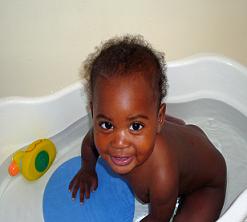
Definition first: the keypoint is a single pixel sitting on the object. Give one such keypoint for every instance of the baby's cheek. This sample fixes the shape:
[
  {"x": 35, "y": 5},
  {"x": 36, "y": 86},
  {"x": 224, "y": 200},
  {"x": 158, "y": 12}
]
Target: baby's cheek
[
  {"x": 143, "y": 151},
  {"x": 100, "y": 142}
]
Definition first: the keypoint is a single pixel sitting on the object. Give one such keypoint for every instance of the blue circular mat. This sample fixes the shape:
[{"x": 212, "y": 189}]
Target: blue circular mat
[{"x": 112, "y": 201}]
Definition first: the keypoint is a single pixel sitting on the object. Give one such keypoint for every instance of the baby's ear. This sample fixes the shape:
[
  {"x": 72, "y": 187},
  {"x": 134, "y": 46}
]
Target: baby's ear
[{"x": 161, "y": 116}]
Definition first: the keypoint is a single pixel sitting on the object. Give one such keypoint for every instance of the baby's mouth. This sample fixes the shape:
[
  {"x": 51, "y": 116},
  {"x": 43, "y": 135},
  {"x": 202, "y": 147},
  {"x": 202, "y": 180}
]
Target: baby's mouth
[{"x": 121, "y": 161}]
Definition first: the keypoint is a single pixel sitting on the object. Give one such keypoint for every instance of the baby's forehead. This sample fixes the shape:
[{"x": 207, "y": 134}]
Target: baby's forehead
[
  {"x": 138, "y": 82},
  {"x": 143, "y": 78},
  {"x": 135, "y": 89}
]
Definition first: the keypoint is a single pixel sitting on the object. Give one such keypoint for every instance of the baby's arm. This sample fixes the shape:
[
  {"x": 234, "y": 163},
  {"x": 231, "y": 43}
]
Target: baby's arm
[
  {"x": 161, "y": 209},
  {"x": 163, "y": 198},
  {"x": 86, "y": 178}
]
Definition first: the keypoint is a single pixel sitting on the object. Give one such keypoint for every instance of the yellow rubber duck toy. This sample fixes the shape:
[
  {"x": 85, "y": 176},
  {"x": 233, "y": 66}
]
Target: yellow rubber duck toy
[{"x": 33, "y": 161}]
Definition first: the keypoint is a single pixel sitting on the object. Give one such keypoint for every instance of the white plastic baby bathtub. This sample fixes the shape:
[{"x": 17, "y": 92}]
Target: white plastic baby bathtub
[{"x": 209, "y": 91}]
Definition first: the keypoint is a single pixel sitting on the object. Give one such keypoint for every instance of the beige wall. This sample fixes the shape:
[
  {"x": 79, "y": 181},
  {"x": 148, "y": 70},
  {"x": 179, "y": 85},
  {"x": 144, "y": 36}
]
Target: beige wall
[{"x": 42, "y": 43}]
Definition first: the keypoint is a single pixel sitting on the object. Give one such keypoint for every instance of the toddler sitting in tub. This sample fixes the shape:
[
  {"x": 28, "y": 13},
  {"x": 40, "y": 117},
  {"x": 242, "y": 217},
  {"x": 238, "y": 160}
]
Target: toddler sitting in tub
[{"x": 161, "y": 157}]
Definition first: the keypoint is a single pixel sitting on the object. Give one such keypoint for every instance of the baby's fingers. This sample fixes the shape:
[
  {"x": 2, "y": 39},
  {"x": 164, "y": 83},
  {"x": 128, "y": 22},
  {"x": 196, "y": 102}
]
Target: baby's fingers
[
  {"x": 75, "y": 189},
  {"x": 94, "y": 185},
  {"x": 87, "y": 191},
  {"x": 71, "y": 184},
  {"x": 82, "y": 192}
]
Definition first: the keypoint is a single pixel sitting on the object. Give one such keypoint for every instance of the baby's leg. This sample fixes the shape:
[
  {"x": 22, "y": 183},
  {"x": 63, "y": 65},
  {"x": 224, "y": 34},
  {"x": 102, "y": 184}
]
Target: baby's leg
[
  {"x": 174, "y": 120},
  {"x": 203, "y": 205}
]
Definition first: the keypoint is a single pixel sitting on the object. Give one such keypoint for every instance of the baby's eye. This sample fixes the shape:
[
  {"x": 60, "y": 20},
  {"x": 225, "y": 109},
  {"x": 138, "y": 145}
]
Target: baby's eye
[
  {"x": 136, "y": 126},
  {"x": 106, "y": 125}
]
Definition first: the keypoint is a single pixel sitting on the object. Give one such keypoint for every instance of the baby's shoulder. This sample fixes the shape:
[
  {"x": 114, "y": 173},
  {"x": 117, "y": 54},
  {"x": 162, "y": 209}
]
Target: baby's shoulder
[
  {"x": 165, "y": 162},
  {"x": 183, "y": 135}
]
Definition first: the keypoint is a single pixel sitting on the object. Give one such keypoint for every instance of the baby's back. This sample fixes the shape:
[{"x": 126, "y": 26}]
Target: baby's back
[{"x": 199, "y": 162}]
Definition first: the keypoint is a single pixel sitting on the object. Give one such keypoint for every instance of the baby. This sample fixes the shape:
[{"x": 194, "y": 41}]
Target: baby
[{"x": 160, "y": 156}]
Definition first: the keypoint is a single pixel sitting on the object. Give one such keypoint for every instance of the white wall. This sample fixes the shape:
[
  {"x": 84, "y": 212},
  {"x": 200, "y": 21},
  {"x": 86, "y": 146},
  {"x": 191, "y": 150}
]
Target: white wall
[{"x": 42, "y": 43}]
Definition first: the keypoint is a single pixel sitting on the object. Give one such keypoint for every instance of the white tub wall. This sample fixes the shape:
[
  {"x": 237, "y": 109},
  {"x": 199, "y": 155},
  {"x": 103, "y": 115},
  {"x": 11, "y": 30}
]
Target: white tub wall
[{"x": 43, "y": 42}]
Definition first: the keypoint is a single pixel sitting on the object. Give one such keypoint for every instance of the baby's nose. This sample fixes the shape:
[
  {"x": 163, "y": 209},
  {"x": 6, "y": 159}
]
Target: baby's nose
[{"x": 120, "y": 139}]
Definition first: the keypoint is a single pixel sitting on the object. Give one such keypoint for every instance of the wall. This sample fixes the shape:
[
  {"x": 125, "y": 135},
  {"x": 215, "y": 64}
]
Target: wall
[{"x": 43, "y": 42}]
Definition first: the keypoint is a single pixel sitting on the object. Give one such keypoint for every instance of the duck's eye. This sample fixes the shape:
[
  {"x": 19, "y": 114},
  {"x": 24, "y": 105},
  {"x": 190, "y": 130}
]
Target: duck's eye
[
  {"x": 106, "y": 125},
  {"x": 136, "y": 126}
]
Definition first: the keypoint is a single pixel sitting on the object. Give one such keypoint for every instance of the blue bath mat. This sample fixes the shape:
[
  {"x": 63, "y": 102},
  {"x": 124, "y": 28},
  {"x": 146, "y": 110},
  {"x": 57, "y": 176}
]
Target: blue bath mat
[{"x": 112, "y": 201}]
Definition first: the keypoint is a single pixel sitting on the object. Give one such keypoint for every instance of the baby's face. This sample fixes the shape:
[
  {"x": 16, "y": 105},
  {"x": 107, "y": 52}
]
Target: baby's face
[{"x": 125, "y": 121}]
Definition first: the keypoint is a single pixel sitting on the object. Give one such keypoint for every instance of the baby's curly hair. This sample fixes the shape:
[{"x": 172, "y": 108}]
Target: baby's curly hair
[{"x": 122, "y": 56}]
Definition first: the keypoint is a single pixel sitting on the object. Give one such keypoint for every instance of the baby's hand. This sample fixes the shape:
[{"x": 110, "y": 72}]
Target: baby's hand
[{"x": 86, "y": 180}]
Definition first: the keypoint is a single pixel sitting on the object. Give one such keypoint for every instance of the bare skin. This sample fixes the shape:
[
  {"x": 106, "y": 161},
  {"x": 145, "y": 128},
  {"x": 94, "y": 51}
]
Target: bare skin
[{"x": 135, "y": 137}]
